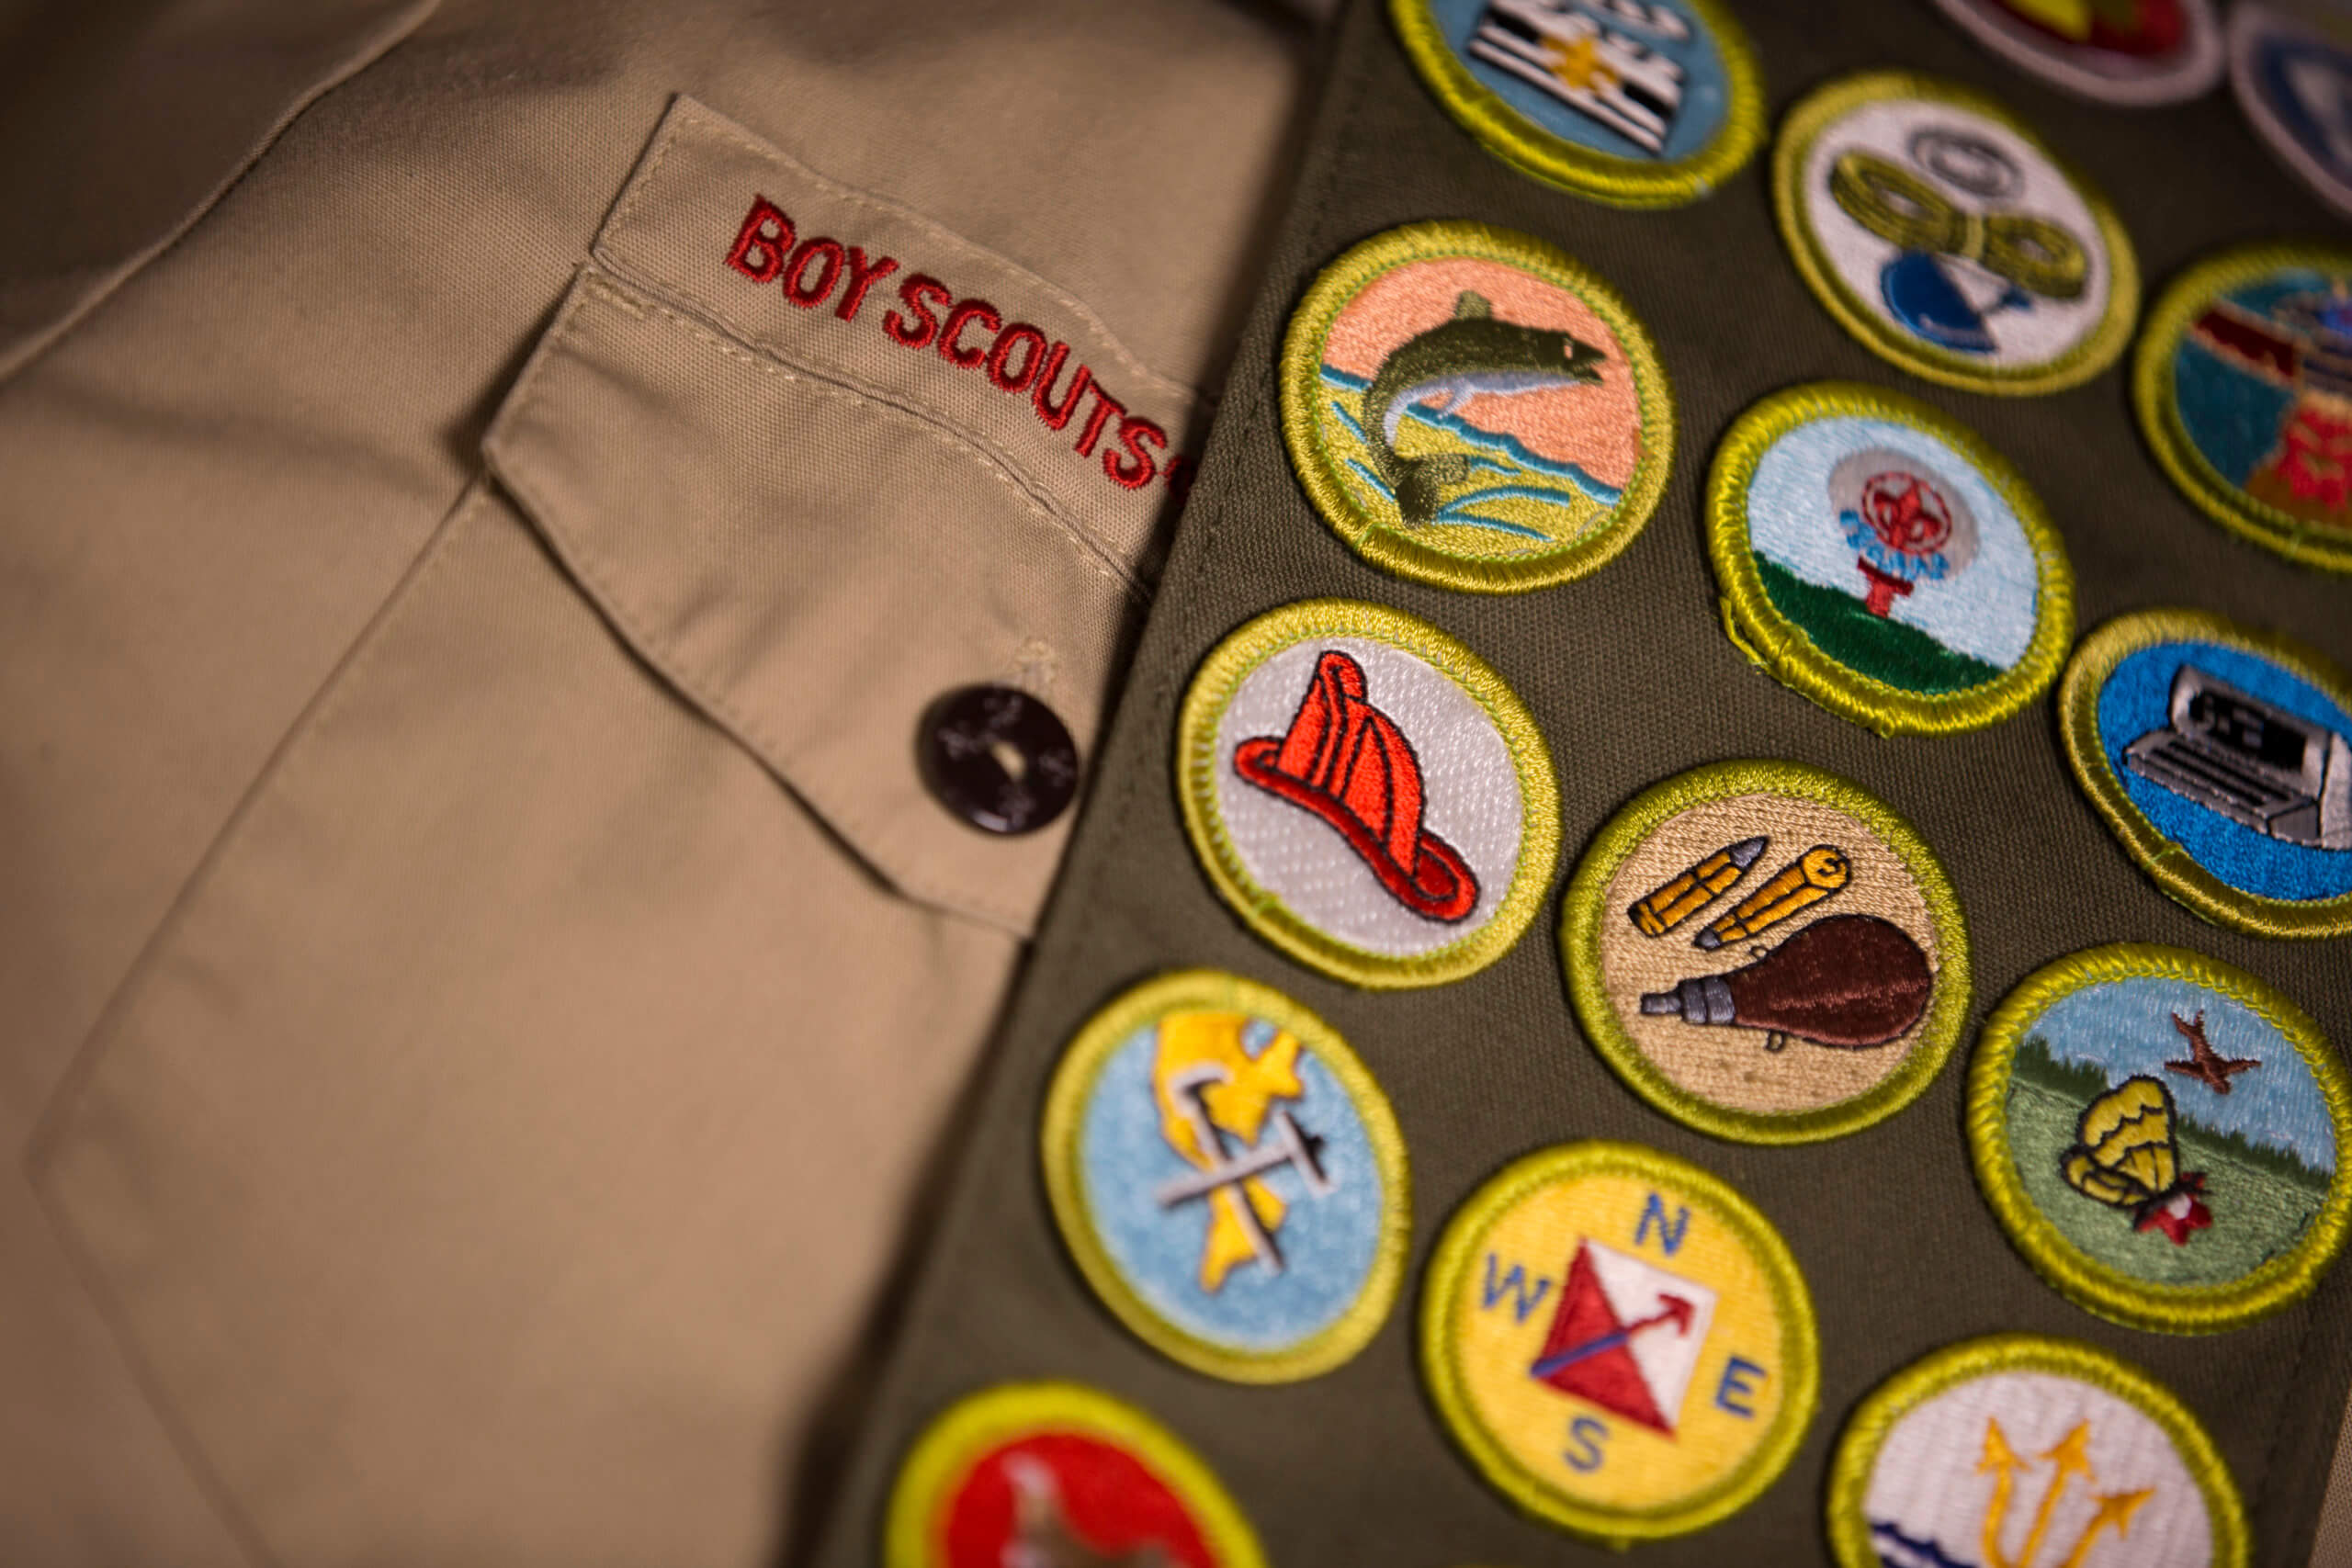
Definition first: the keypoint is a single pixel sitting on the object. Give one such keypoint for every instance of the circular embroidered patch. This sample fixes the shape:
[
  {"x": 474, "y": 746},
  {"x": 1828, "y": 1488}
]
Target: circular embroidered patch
[
  {"x": 2293, "y": 81},
  {"x": 2132, "y": 52},
  {"x": 1367, "y": 794},
  {"x": 2222, "y": 759},
  {"x": 2243, "y": 385},
  {"x": 1229, "y": 1177},
  {"x": 1764, "y": 952},
  {"x": 2158, "y": 1132},
  {"x": 1883, "y": 561},
  {"x": 1619, "y": 1341},
  {"x": 1052, "y": 1472},
  {"x": 2018, "y": 1450},
  {"x": 1471, "y": 408},
  {"x": 1637, "y": 103},
  {"x": 1939, "y": 231}
]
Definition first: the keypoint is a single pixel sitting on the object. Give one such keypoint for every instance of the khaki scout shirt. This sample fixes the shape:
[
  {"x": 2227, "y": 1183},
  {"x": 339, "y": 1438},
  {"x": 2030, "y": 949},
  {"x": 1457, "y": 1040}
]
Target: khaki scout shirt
[{"x": 482, "y": 980}]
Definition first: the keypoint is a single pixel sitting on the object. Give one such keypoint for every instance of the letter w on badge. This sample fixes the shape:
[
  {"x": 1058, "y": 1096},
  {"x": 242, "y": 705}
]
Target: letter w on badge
[{"x": 1208, "y": 1085}]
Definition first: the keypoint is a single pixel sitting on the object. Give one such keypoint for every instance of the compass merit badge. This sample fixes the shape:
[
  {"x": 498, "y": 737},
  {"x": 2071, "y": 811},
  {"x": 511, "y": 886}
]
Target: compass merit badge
[
  {"x": 1764, "y": 952},
  {"x": 2222, "y": 759},
  {"x": 2293, "y": 80},
  {"x": 1940, "y": 232},
  {"x": 1229, "y": 1177},
  {"x": 1471, "y": 408},
  {"x": 2158, "y": 1132},
  {"x": 1619, "y": 1341},
  {"x": 1059, "y": 1475},
  {"x": 2244, "y": 386},
  {"x": 1883, "y": 561},
  {"x": 2018, "y": 1451},
  {"x": 2130, "y": 52},
  {"x": 1638, "y": 103},
  {"x": 1366, "y": 794}
]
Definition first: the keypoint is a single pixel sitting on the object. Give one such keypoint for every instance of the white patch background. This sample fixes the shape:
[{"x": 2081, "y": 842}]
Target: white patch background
[
  {"x": 1926, "y": 1482},
  {"x": 1469, "y": 783},
  {"x": 2029, "y": 337}
]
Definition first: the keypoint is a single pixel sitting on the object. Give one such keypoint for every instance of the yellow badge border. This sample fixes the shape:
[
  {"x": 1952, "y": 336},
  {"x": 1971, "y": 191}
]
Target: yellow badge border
[
  {"x": 1637, "y": 183},
  {"x": 979, "y": 1423},
  {"x": 2170, "y": 867},
  {"x": 1064, "y": 1122},
  {"x": 1788, "y": 654},
  {"x": 1586, "y": 907},
  {"x": 1876, "y": 1416},
  {"x": 2088, "y": 1283},
  {"x": 1262, "y": 910},
  {"x": 1302, "y": 417},
  {"x": 2155, "y": 399},
  {"x": 1826, "y": 105},
  {"x": 1449, "y": 1268}
]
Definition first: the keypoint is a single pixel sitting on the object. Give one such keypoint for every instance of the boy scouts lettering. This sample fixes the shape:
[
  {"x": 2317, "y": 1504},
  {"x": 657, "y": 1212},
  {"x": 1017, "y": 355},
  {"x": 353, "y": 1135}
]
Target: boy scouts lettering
[{"x": 970, "y": 333}]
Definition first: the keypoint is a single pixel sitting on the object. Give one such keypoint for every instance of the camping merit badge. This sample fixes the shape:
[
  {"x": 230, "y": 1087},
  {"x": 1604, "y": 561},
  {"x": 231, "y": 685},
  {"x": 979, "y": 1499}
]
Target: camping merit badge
[
  {"x": 2159, "y": 1132},
  {"x": 1883, "y": 561},
  {"x": 2293, "y": 79},
  {"x": 1939, "y": 231},
  {"x": 2132, "y": 52},
  {"x": 2018, "y": 1451},
  {"x": 2243, "y": 385},
  {"x": 1766, "y": 952},
  {"x": 2222, "y": 759},
  {"x": 1229, "y": 1177},
  {"x": 1639, "y": 103},
  {"x": 1039, "y": 1475},
  {"x": 1366, "y": 794},
  {"x": 1469, "y": 406},
  {"x": 1619, "y": 1341}
]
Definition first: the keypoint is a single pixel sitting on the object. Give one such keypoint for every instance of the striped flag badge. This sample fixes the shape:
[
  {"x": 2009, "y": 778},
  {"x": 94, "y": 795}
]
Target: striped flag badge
[{"x": 1626, "y": 1337}]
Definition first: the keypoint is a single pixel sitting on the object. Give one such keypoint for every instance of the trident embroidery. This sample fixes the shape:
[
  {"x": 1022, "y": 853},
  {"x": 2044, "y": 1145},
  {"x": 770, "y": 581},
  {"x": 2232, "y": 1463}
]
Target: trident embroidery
[{"x": 2068, "y": 1460}]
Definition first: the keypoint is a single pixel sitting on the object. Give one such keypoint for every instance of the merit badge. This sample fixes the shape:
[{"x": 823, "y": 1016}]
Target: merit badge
[
  {"x": 2018, "y": 1451},
  {"x": 1229, "y": 1177},
  {"x": 2158, "y": 1132},
  {"x": 2222, "y": 759},
  {"x": 2132, "y": 52},
  {"x": 1469, "y": 406},
  {"x": 2294, "y": 83},
  {"x": 1367, "y": 794},
  {"x": 1762, "y": 951},
  {"x": 1026, "y": 1476},
  {"x": 1885, "y": 562},
  {"x": 1637, "y": 103},
  {"x": 1940, "y": 231},
  {"x": 2243, "y": 385},
  {"x": 1619, "y": 1341}
]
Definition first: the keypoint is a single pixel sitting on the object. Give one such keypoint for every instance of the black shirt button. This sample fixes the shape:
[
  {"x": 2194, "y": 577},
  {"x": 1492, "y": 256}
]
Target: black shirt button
[{"x": 997, "y": 758}]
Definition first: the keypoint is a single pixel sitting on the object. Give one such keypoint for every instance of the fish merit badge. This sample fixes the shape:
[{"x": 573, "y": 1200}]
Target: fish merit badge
[
  {"x": 1366, "y": 794},
  {"x": 1638, "y": 103},
  {"x": 1940, "y": 231},
  {"x": 2292, "y": 77},
  {"x": 1469, "y": 406},
  {"x": 2243, "y": 385},
  {"x": 1766, "y": 952},
  {"x": 2131, "y": 52},
  {"x": 2018, "y": 1451},
  {"x": 1619, "y": 1341},
  {"x": 2158, "y": 1132},
  {"x": 1229, "y": 1177},
  {"x": 1885, "y": 562},
  {"x": 1059, "y": 1475},
  {"x": 2221, "y": 758}
]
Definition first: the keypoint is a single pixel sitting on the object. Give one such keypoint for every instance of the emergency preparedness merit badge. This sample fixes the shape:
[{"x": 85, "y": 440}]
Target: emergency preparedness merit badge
[
  {"x": 1619, "y": 1341},
  {"x": 1936, "y": 227},
  {"x": 1468, "y": 406},
  {"x": 1366, "y": 794},
  {"x": 1026, "y": 1474},
  {"x": 2161, "y": 1135},
  {"x": 1638, "y": 103},
  {"x": 1229, "y": 1177}
]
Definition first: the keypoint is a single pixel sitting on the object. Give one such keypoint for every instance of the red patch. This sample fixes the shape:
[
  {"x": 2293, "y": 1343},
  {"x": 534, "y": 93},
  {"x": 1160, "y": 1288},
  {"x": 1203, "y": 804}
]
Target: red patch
[{"x": 1058, "y": 1490}]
